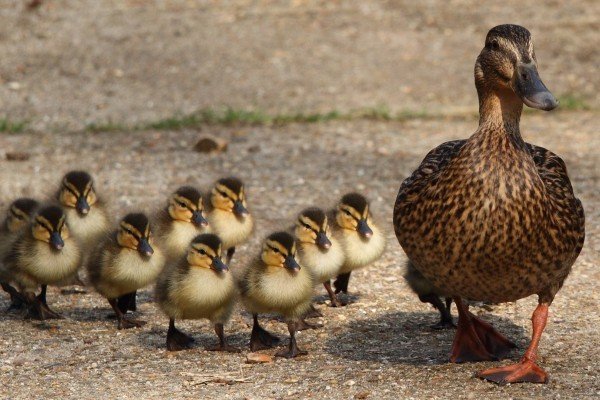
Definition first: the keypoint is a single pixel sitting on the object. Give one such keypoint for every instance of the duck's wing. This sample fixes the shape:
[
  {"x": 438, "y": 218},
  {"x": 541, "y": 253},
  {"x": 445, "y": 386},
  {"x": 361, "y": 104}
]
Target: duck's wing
[
  {"x": 569, "y": 210},
  {"x": 435, "y": 160}
]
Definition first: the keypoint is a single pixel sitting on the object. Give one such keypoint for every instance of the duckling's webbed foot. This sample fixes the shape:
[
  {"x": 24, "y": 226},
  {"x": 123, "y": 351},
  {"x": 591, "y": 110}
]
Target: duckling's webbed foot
[
  {"x": 261, "y": 339},
  {"x": 222, "y": 346},
  {"x": 335, "y": 301},
  {"x": 17, "y": 300},
  {"x": 177, "y": 340},
  {"x": 313, "y": 313},
  {"x": 341, "y": 283},
  {"x": 476, "y": 340},
  {"x": 293, "y": 350},
  {"x": 124, "y": 323},
  {"x": 303, "y": 325},
  {"x": 446, "y": 321},
  {"x": 39, "y": 310}
]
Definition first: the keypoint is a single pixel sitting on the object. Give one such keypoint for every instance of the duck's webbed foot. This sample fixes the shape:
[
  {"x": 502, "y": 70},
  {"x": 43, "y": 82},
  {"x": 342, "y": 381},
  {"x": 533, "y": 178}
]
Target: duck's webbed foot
[
  {"x": 334, "y": 299},
  {"x": 293, "y": 350},
  {"x": 303, "y": 325},
  {"x": 17, "y": 300},
  {"x": 476, "y": 340},
  {"x": 222, "y": 345},
  {"x": 261, "y": 339},
  {"x": 123, "y": 322},
  {"x": 313, "y": 313},
  {"x": 446, "y": 321},
  {"x": 177, "y": 340},
  {"x": 38, "y": 309}
]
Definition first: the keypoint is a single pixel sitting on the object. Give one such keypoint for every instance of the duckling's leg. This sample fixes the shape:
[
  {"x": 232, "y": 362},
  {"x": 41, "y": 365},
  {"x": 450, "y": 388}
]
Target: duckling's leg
[
  {"x": 124, "y": 323},
  {"x": 260, "y": 338},
  {"x": 222, "y": 346},
  {"x": 17, "y": 301},
  {"x": 446, "y": 321},
  {"x": 475, "y": 339},
  {"x": 42, "y": 296},
  {"x": 177, "y": 340},
  {"x": 341, "y": 283},
  {"x": 37, "y": 309},
  {"x": 127, "y": 302},
  {"x": 335, "y": 302},
  {"x": 230, "y": 252},
  {"x": 293, "y": 349},
  {"x": 526, "y": 370}
]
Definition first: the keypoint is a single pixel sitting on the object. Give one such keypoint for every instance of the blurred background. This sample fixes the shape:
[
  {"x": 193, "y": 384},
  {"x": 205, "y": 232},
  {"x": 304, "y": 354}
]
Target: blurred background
[{"x": 68, "y": 64}]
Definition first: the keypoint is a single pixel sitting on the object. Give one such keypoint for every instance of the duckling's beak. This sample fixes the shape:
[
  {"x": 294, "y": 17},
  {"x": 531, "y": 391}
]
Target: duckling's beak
[
  {"x": 199, "y": 220},
  {"x": 82, "y": 206},
  {"x": 291, "y": 264},
  {"x": 363, "y": 229},
  {"x": 144, "y": 248},
  {"x": 529, "y": 87},
  {"x": 239, "y": 209},
  {"x": 218, "y": 265},
  {"x": 56, "y": 241},
  {"x": 323, "y": 241}
]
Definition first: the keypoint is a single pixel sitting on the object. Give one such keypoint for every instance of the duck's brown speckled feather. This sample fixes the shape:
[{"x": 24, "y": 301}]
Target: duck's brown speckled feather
[{"x": 491, "y": 218}]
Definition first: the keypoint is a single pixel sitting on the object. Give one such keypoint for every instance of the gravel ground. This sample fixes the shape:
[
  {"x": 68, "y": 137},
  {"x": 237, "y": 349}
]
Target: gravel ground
[
  {"x": 378, "y": 347},
  {"x": 140, "y": 60}
]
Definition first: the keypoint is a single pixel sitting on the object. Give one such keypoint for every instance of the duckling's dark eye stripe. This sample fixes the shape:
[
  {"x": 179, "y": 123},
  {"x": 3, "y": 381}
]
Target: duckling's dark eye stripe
[
  {"x": 71, "y": 191},
  {"x": 276, "y": 250}
]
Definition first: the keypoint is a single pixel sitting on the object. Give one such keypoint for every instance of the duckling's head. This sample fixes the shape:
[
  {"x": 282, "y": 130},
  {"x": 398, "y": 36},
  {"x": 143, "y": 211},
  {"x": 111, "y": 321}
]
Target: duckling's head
[
  {"x": 312, "y": 227},
  {"x": 205, "y": 252},
  {"x": 186, "y": 205},
  {"x": 507, "y": 64},
  {"x": 228, "y": 194},
  {"x": 20, "y": 213},
  {"x": 279, "y": 250},
  {"x": 352, "y": 213},
  {"x": 134, "y": 233},
  {"x": 77, "y": 191},
  {"x": 49, "y": 226}
]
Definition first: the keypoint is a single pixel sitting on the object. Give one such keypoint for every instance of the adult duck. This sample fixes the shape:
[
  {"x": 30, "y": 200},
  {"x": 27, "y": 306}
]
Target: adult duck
[{"x": 493, "y": 218}]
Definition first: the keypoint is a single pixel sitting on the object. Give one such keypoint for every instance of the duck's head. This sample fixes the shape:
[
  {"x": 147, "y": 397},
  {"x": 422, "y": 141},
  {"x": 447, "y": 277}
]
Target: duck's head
[
  {"x": 229, "y": 195},
  {"x": 134, "y": 233},
  {"x": 507, "y": 64},
  {"x": 312, "y": 227},
  {"x": 205, "y": 252},
  {"x": 186, "y": 205},
  {"x": 352, "y": 213},
  {"x": 279, "y": 250},
  {"x": 19, "y": 214},
  {"x": 49, "y": 226},
  {"x": 77, "y": 191}
]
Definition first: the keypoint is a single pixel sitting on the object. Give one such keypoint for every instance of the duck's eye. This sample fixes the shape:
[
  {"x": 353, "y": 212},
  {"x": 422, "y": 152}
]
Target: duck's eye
[
  {"x": 202, "y": 251},
  {"x": 347, "y": 213},
  {"x": 306, "y": 226},
  {"x": 180, "y": 204},
  {"x": 223, "y": 194},
  {"x": 494, "y": 45}
]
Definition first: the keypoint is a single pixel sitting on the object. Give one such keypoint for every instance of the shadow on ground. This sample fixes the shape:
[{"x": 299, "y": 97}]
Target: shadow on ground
[{"x": 407, "y": 338}]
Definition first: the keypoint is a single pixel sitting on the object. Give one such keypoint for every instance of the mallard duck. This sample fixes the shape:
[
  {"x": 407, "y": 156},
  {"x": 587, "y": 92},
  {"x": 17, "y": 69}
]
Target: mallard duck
[
  {"x": 45, "y": 254},
  {"x": 361, "y": 240},
  {"x": 86, "y": 212},
  {"x": 275, "y": 283},
  {"x": 181, "y": 221},
  {"x": 228, "y": 214},
  {"x": 318, "y": 249},
  {"x": 493, "y": 218},
  {"x": 198, "y": 286},
  {"x": 18, "y": 217},
  {"x": 429, "y": 294},
  {"x": 125, "y": 262}
]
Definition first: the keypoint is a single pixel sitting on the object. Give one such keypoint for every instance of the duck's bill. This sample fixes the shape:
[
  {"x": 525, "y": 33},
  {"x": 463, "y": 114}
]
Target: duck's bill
[
  {"x": 56, "y": 241},
  {"x": 82, "y": 206},
  {"x": 239, "y": 209},
  {"x": 199, "y": 220},
  {"x": 218, "y": 265},
  {"x": 144, "y": 248},
  {"x": 529, "y": 87},
  {"x": 291, "y": 264},
  {"x": 323, "y": 241},
  {"x": 364, "y": 229}
]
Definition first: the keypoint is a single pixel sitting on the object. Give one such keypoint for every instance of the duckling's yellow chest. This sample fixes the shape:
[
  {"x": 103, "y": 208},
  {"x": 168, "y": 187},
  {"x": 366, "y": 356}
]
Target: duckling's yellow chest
[
  {"x": 231, "y": 229},
  {"x": 282, "y": 291},
  {"x": 178, "y": 238},
  {"x": 323, "y": 264},
  {"x": 48, "y": 266},
  {"x": 87, "y": 229},
  {"x": 204, "y": 292},
  {"x": 360, "y": 252}
]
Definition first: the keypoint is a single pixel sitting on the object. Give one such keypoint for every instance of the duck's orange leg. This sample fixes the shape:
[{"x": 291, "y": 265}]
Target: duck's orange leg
[
  {"x": 475, "y": 339},
  {"x": 526, "y": 370}
]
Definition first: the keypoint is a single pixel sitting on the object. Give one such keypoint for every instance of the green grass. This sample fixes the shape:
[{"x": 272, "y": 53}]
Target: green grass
[
  {"x": 573, "y": 102},
  {"x": 10, "y": 126}
]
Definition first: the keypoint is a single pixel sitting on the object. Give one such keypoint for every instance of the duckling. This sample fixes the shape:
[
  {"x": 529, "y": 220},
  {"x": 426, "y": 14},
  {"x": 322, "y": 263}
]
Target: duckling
[
  {"x": 493, "y": 218},
  {"x": 228, "y": 216},
  {"x": 18, "y": 217},
  {"x": 198, "y": 286},
  {"x": 318, "y": 249},
  {"x": 86, "y": 213},
  {"x": 181, "y": 221},
  {"x": 429, "y": 294},
  {"x": 45, "y": 254},
  {"x": 361, "y": 240},
  {"x": 125, "y": 262},
  {"x": 275, "y": 282}
]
